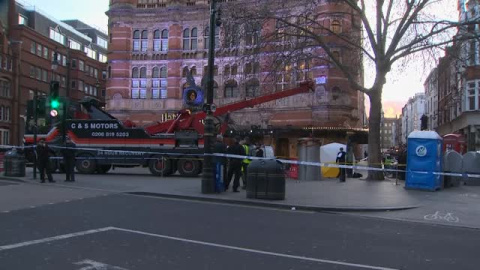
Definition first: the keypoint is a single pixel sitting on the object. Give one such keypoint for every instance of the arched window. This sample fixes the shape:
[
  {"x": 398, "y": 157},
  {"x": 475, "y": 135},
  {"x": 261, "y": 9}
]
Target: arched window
[
  {"x": 337, "y": 55},
  {"x": 256, "y": 68},
  {"x": 156, "y": 72},
  {"x": 185, "y": 72},
  {"x": 234, "y": 70},
  {"x": 226, "y": 71},
  {"x": 206, "y": 37},
  {"x": 248, "y": 68},
  {"x": 252, "y": 34},
  {"x": 252, "y": 88},
  {"x": 193, "y": 70},
  {"x": 159, "y": 84},
  {"x": 336, "y": 27},
  {"x": 136, "y": 40},
  {"x": 156, "y": 41},
  {"x": 164, "y": 46},
  {"x": 135, "y": 73},
  {"x": 194, "y": 40},
  {"x": 231, "y": 89},
  {"x": 143, "y": 72},
  {"x": 144, "y": 40},
  {"x": 186, "y": 39}
]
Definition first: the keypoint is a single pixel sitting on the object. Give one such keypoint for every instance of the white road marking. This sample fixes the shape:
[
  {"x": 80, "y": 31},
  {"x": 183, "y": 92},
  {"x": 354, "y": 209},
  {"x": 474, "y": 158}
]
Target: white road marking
[
  {"x": 54, "y": 238},
  {"x": 303, "y": 258},
  {"x": 93, "y": 265}
]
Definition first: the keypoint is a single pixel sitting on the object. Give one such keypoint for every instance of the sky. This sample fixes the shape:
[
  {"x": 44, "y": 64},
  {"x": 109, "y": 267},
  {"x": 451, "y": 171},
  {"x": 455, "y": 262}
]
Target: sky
[{"x": 401, "y": 83}]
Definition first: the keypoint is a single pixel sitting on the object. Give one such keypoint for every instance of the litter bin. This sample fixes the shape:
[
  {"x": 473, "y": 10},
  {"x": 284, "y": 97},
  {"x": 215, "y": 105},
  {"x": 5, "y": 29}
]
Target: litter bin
[
  {"x": 266, "y": 180},
  {"x": 14, "y": 164},
  {"x": 452, "y": 164}
]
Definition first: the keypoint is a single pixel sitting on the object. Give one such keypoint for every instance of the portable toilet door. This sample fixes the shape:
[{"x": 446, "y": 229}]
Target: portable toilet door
[{"x": 424, "y": 157}]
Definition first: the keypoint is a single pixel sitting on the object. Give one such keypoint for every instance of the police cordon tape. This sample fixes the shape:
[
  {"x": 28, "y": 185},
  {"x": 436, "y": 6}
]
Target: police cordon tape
[{"x": 286, "y": 161}]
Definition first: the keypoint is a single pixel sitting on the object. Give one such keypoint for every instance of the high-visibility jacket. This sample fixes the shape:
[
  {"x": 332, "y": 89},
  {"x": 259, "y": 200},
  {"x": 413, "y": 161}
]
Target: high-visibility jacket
[{"x": 247, "y": 153}]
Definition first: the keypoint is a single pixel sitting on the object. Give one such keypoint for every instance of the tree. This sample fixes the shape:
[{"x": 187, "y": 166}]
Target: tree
[{"x": 382, "y": 33}]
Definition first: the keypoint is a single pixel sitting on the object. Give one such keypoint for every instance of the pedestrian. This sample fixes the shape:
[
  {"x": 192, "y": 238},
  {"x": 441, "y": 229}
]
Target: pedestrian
[
  {"x": 43, "y": 161},
  {"x": 234, "y": 165},
  {"x": 365, "y": 154},
  {"x": 246, "y": 161},
  {"x": 341, "y": 157},
  {"x": 69, "y": 160},
  {"x": 259, "y": 150},
  {"x": 220, "y": 163}
]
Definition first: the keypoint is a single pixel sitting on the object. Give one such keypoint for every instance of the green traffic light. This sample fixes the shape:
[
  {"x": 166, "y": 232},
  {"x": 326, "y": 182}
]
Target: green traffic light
[{"x": 54, "y": 104}]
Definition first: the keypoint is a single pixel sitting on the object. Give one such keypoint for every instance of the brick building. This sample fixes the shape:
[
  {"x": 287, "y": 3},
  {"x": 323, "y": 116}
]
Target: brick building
[
  {"x": 153, "y": 44},
  {"x": 81, "y": 60},
  {"x": 8, "y": 103}
]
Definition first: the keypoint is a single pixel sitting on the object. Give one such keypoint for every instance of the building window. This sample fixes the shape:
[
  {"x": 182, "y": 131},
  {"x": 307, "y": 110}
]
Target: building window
[
  {"x": 80, "y": 85},
  {"x": 144, "y": 40},
  {"x": 39, "y": 50},
  {"x": 44, "y": 75},
  {"x": 284, "y": 77},
  {"x": 91, "y": 53},
  {"x": 156, "y": 41},
  {"x": 186, "y": 39},
  {"x": 252, "y": 34},
  {"x": 194, "y": 39},
  {"x": 231, "y": 89},
  {"x": 110, "y": 72},
  {"x": 143, "y": 72},
  {"x": 7, "y": 114},
  {"x": 206, "y": 37},
  {"x": 102, "y": 42},
  {"x": 33, "y": 47},
  {"x": 336, "y": 27},
  {"x": 303, "y": 70},
  {"x": 22, "y": 20},
  {"x": 164, "y": 47},
  {"x": 55, "y": 35},
  {"x": 102, "y": 57},
  {"x": 74, "y": 45},
  {"x": 81, "y": 65},
  {"x": 5, "y": 136},
  {"x": 74, "y": 63},
  {"x": 234, "y": 70},
  {"x": 252, "y": 88},
  {"x": 159, "y": 83},
  {"x": 185, "y": 72},
  {"x": 45, "y": 52},
  {"x": 473, "y": 95},
  {"x": 4, "y": 88},
  {"x": 136, "y": 40}
]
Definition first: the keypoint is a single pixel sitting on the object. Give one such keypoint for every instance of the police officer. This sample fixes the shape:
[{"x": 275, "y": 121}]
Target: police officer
[
  {"x": 341, "y": 157},
  {"x": 248, "y": 148},
  {"x": 43, "y": 161},
  {"x": 234, "y": 165},
  {"x": 69, "y": 160}
]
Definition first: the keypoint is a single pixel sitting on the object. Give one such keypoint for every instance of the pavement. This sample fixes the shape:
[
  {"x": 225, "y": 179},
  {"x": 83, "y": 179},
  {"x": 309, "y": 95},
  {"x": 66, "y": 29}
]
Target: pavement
[{"x": 459, "y": 206}]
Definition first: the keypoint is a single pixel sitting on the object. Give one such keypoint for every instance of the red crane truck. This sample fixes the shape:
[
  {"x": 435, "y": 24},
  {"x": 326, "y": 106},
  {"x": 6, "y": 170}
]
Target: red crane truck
[{"x": 103, "y": 141}]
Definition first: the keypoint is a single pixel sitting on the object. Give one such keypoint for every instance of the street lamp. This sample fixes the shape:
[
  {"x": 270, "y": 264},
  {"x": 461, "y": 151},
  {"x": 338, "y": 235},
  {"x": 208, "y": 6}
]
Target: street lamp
[{"x": 208, "y": 176}]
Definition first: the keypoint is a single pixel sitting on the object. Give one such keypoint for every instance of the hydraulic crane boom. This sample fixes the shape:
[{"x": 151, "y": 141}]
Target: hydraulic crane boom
[{"x": 187, "y": 120}]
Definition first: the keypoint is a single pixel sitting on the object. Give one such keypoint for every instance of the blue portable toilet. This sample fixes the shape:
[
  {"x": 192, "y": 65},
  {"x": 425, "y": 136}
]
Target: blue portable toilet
[{"x": 424, "y": 156}]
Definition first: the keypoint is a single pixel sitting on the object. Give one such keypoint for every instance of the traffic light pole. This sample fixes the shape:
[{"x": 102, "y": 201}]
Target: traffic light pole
[
  {"x": 35, "y": 131},
  {"x": 208, "y": 175}
]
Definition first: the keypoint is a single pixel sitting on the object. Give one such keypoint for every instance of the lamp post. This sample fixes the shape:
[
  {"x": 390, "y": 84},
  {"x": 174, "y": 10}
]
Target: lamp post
[{"x": 208, "y": 175}]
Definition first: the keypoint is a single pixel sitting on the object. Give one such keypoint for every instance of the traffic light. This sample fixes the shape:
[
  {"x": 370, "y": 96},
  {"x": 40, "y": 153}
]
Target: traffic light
[{"x": 54, "y": 99}]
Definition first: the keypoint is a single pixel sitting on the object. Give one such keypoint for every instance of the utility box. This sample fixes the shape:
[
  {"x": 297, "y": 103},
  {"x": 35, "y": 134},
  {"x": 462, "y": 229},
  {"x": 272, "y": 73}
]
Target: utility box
[{"x": 424, "y": 161}]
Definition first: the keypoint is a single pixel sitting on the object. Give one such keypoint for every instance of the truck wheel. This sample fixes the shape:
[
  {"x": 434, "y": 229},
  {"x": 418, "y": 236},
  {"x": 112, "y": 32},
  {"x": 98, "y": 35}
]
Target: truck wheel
[
  {"x": 159, "y": 166},
  {"x": 85, "y": 164},
  {"x": 102, "y": 169},
  {"x": 189, "y": 167}
]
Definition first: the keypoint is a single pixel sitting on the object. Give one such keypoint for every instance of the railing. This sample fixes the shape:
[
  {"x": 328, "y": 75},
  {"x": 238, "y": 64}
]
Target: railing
[{"x": 143, "y": 104}]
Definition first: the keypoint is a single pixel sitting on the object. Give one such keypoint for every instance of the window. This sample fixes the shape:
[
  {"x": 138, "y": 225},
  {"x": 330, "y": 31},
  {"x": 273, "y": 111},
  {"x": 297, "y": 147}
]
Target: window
[
  {"x": 74, "y": 63},
  {"x": 336, "y": 27},
  {"x": 252, "y": 34},
  {"x": 22, "y": 20},
  {"x": 32, "y": 72},
  {"x": 5, "y": 136},
  {"x": 102, "y": 58},
  {"x": 135, "y": 73},
  {"x": 206, "y": 37},
  {"x": 45, "y": 52},
  {"x": 194, "y": 40},
  {"x": 156, "y": 41},
  {"x": 159, "y": 83},
  {"x": 91, "y": 53},
  {"x": 233, "y": 70},
  {"x": 284, "y": 77},
  {"x": 186, "y": 39},
  {"x": 44, "y": 75},
  {"x": 226, "y": 71},
  {"x": 160, "y": 40},
  {"x": 4, "y": 88},
  {"x": 303, "y": 70},
  {"x": 73, "y": 84},
  {"x": 231, "y": 89},
  {"x": 231, "y": 38},
  {"x": 102, "y": 42},
  {"x": 185, "y": 72},
  {"x": 252, "y": 88},
  {"x": 38, "y": 73},
  {"x": 80, "y": 85},
  {"x": 110, "y": 72},
  {"x": 81, "y": 65},
  {"x": 7, "y": 114},
  {"x": 2, "y": 112},
  {"x": 55, "y": 35},
  {"x": 74, "y": 45},
  {"x": 144, "y": 40},
  {"x": 473, "y": 95},
  {"x": 143, "y": 72},
  {"x": 136, "y": 40},
  {"x": 164, "y": 40},
  {"x": 95, "y": 73},
  {"x": 33, "y": 47},
  {"x": 39, "y": 50}
]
